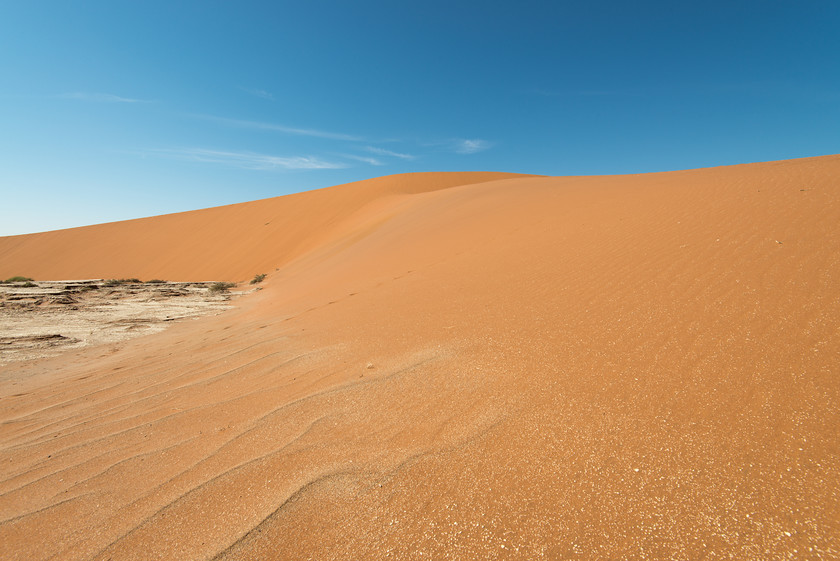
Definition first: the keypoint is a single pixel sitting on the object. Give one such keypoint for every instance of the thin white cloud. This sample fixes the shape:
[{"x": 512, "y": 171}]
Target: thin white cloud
[
  {"x": 280, "y": 128},
  {"x": 365, "y": 159},
  {"x": 383, "y": 152},
  {"x": 259, "y": 93},
  {"x": 471, "y": 146},
  {"x": 245, "y": 160},
  {"x": 100, "y": 97}
]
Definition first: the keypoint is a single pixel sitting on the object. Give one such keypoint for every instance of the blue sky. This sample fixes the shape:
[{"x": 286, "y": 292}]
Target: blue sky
[{"x": 114, "y": 110}]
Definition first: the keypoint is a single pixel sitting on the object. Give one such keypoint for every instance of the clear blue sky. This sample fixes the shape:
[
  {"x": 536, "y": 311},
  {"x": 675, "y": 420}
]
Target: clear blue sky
[{"x": 114, "y": 109}]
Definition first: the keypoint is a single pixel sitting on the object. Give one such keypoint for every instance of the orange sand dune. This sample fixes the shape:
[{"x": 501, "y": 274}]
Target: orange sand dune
[
  {"x": 452, "y": 367},
  {"x": 231, "y": 243}
]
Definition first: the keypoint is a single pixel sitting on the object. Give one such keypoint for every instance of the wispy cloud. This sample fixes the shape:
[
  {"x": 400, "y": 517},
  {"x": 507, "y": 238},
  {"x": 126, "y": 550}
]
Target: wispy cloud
[
  {"x": 258, "y": 125},
  {"x": 471, "y": 146},
  {"x": 100, "y": 97},
  {"x": 365, "y": 159},
  {"x": 245, "y": 160},
  {"x": 383, "y": 152},
  {"x": 259, "y": 93}
]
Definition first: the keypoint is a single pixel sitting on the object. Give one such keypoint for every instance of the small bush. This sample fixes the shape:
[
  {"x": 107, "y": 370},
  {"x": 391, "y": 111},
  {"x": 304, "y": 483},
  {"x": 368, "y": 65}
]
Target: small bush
[
  {"x": 155, "y": 281},
  {"x": 17, "y": 279},
  {"x": 218, "y": 287},
  {"x": 117, "y": 282},
  {"x": 258, "y": 279}
]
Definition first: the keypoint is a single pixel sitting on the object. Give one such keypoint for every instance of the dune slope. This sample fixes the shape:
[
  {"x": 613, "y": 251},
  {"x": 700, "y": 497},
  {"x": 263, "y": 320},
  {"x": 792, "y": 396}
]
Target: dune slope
[
  {"x": 471, "y": 367},
  {"x": 230, "y": 243}
]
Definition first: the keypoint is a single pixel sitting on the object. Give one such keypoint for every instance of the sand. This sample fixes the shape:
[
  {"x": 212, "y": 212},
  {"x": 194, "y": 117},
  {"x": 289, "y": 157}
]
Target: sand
[{"x": 451, "y": 366}]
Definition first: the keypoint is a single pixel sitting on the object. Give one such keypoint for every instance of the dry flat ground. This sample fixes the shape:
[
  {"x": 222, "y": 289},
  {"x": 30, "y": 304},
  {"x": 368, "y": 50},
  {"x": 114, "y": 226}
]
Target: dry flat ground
[
  {"x": 451, "y": 366},
  {"x": 50, "y": 317}
]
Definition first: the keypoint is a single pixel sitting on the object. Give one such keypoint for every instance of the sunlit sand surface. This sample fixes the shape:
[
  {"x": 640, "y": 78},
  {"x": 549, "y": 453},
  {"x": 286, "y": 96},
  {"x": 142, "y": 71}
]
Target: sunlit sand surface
[{"x": 451, "y": 366}]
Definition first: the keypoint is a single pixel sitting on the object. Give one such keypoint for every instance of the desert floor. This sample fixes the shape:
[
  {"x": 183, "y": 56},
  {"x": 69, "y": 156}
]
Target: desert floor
[
  {"x": 450, "y": 366},
  {"x": 48, "y": 318}
]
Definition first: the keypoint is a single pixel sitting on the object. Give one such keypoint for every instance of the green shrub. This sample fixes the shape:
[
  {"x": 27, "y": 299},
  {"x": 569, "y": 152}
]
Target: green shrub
[
  {"x": 17, "y": 279},
  {"x": 155, "y": 281},
  {"x": 217, "y": 287},
  {"x": 258, "y": 279}
]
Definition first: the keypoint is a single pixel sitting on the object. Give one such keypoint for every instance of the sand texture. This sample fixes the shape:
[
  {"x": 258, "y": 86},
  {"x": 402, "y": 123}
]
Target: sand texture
[{"x": 451, "y": 366}]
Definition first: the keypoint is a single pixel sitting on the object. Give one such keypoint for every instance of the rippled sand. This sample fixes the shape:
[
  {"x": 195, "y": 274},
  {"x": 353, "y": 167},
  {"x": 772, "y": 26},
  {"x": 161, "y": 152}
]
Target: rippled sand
[{"x": 451, "y": 366}]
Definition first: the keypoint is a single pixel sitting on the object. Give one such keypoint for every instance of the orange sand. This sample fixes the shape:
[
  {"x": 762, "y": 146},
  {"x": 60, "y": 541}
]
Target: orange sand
[{"x": 451, "y": 366}]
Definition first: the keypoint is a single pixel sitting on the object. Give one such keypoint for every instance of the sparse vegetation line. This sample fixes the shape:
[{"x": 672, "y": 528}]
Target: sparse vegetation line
[{"x": 118, "y": 282}]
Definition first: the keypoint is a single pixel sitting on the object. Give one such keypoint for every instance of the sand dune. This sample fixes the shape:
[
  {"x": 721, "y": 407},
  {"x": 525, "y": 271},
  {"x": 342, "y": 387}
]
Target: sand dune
[
  {"x": 451, "y": 366},
  {"x": 232, "y": 242}
]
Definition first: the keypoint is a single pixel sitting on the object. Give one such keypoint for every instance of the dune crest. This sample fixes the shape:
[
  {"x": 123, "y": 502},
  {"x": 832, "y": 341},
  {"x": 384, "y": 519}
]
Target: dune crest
[
  {"x": 451, "y": 366},
  {"x": 231, "y": 243}
]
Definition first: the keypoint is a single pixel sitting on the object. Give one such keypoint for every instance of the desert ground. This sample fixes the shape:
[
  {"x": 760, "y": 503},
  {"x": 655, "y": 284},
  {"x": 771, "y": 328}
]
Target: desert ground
[
  {"x": 39, "y": 319},
  {"x": 450, "y": 366}
]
